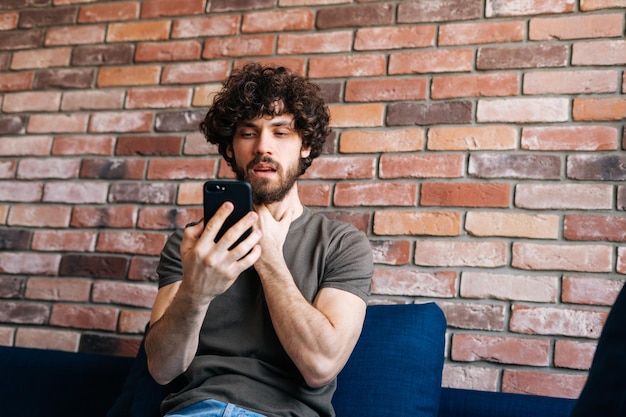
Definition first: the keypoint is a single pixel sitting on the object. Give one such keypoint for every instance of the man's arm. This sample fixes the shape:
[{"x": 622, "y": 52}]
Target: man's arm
[
  {"x": 318, "y": 337},
  {"x": 208, "y": 270}
]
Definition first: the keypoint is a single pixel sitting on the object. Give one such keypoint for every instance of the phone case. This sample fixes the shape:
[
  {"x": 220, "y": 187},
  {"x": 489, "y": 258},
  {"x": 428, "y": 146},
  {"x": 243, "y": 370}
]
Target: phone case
[{"x": 216, "y": 192}]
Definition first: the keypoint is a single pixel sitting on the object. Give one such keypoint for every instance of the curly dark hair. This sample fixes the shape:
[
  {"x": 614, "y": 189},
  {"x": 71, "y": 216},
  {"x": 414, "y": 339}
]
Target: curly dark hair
[{"x": 252, "y": 92}]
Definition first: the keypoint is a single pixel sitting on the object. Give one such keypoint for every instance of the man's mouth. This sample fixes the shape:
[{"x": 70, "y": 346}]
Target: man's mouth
[{"x": 263, "y": 169}]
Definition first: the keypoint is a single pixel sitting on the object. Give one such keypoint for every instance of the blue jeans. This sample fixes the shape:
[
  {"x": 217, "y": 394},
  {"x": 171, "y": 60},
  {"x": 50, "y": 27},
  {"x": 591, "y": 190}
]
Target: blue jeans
[{"x": 213, "y": 408}]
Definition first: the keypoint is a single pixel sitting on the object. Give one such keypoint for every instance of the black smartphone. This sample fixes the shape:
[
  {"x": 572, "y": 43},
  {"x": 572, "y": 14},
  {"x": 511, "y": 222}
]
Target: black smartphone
[{"x": 216, "y": 192}]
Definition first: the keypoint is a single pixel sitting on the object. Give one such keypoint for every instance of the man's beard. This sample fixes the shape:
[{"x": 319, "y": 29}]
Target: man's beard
[{"x": 265, "y": 191}]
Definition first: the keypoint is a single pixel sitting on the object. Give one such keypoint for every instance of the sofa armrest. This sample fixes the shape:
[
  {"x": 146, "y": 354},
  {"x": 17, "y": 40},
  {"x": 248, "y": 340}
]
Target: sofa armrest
[{"x": 470, "y": 403}]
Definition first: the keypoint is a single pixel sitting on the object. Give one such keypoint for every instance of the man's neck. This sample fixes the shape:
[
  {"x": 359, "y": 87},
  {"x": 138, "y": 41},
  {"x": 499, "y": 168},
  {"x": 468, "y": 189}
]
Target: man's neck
[{"x": 291, "y": 200}]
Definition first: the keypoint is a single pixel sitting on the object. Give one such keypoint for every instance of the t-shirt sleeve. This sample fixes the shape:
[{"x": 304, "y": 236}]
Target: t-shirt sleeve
[
  {"x": 169, "y": 269},
  {"x": 350, "y": 264}
]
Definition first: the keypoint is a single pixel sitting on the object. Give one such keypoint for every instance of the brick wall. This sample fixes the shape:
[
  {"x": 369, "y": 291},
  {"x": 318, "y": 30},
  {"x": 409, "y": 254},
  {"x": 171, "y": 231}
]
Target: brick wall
[{"x": 479, "y": 143}]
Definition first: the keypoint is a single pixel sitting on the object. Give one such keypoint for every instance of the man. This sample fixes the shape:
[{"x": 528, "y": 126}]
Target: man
[{"x": 265, "y": 327}]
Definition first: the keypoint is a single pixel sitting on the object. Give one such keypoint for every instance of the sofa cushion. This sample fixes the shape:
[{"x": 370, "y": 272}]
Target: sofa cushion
[
  {"x": 395, "y": 369},
  {"x": 39, "y": 382}
]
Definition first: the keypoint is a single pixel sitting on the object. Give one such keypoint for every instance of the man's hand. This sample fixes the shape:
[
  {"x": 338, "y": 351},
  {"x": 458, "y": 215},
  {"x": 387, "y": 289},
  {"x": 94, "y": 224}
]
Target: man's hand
[
  {"x": 210, "y": 268},
  {"x": 274, "y": 233}
]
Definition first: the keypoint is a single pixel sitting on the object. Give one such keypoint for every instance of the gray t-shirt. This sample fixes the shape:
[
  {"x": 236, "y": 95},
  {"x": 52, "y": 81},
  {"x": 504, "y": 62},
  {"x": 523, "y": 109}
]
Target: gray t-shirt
[{"x": 240, "y": 359}]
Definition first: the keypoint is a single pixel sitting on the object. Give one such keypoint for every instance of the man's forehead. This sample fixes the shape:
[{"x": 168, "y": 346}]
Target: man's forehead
[{"x": 285, "y": 119}]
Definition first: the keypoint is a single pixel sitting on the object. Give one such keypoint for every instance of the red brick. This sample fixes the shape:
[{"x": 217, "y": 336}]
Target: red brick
[
  {"x": 591, "y": 291},
  {"x": 500, "y": 349},
  {"x": 486, "y": 254},
  {"x": 158, "y": 98},
  {"x": 564, "y": 196},
  {"x": 448, "y": 60},
  {"x": 75, "y": 192},
  {"x": 540, "y": 289},
  {"x": 148, "y": 145},
  {"x": 58, "y": 289},
  {"x": 75, "y": 35},
  {"x": 110, "y": 217},
  {"x": 391, "y": 252},
  {"x": 573, "y": 354},
  {"x": 83, "y": 145},
  {"x": 140, "y": 295},
  {"x": 599, "y": 109},
  {"x": 620, "y": 266},
  {"x": 153, "y": 30},
  {"x": 144, "y": 269},
  {"x": 360, "y": 115},
  {"x": 84, "y": 317},
  {"x": 499, "y": 165},
  {"x": 595, "y": 227},
  {"x": 159, "y": 8},
  {"x": 482, "y": 85},
  {"x": 121, "y": 122},
  {"x": 57, "y": 123},
  {"x": 47, "y": 339},
  {"x": 543, "y": 383},
  {"x": 209, "y": 25},
  {"x": 587, "y": 5},
  {"x": 576, "y": 27},
  {"x": 313, "y": 194},
  {"x": 278, "y": 21},
  {"x": 472, "y": 138},
  {"x": 394, "y": 37},
  {"x": 470, "y": 377},
  {"x": 164, "y": 218},
  {"x": 16, "y": 81},
  {"x": 537, "y": 226},
  {"x": 388, "y": 140},
  {"x": 369, "y": 65},
  {"x": 41, "y": 58},
  {"x": 377, "y": 194},
  {"x": 140, "y": 243},
  {"x": 64, "y": 240},
  {"x": 414, "y": 283},
  {"x": 481, "y": 33},
  {"x": 347, "y": 167},
  {"x": 19, "y": 191},
  {"x": 581, "y": 258},
  {"x": 570, "y": 138},
  {"x": 35, "y": 168},
  {"x": 440, "y": 11},
  {"x": 143, "y": 193},
  {"x": 606, "y": 52},
  {"x": 121, "y": 10},
  {"x": 29, "y": 263},
  {"x": 137, "y": 75},
  {"x": 39, "y": 216},
  {"x": 357, "y": 15},
  {"x": 168, "y": 51},
  {"x": 260, "y": 45},
  {"x": 7, "y": 169},
  {"x": 195, "y": 72},
  {"x": 465, "y": 194},
  {"x": 570, "y": 82},
  {"x": 421, "y": 166},
  {"x": 495, "y": 8},
  {"x": 523, "y": 110},
  {"x": 552, "y": 320},
  {"x": 408, "y": 222},
  {"x": 183, "y": 168},
  {"x": 386, "y": 89},
  {"x": 23, "y": 313},
  {"x": 474, "y": 316},
  {"x": 8, "y": 20},
  {"x": 133, "y": 321},
  {"x": 314, "y": 43}
]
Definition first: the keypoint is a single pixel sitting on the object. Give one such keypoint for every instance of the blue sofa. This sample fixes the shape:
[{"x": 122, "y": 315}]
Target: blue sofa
[{"x": 395, "y": 370}]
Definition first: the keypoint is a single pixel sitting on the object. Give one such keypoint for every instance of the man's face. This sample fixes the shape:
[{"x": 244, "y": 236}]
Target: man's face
[{"x": 267, "y": 154}]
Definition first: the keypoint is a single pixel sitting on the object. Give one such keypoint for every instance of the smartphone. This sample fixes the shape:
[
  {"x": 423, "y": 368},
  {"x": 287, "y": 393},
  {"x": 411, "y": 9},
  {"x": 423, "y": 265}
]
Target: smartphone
[{"x": 217, "y": 192}]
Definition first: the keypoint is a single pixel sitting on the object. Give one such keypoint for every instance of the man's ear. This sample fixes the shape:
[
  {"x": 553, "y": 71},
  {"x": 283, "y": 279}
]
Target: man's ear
[
  {"x": 229, "y": 152},
  {"x": 305, "y": 151}
]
